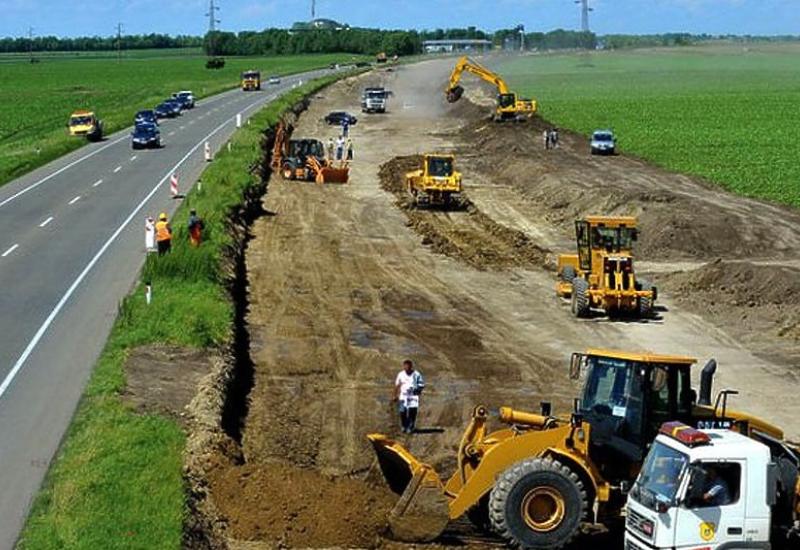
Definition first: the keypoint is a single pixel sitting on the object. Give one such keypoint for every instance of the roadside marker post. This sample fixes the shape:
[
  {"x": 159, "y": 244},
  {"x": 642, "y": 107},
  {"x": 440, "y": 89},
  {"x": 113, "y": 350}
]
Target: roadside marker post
[
  {"x": 238, "y": 120},
  {"x": 173, "y": 187},
  {"x": 148, "y": 292},
  {"x": 207, "y": 152}
]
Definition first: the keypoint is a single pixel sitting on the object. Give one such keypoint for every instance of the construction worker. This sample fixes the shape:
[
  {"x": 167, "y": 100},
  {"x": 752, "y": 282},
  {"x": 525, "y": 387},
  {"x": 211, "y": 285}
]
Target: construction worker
[
  {"x": 349, "y": 149},
  {"x": 339, "y": 148},
  {"x": 196, "y": 227},
  {"x": 163, "y": 234},
  {"x": 408, "y": 386},
  {"x": 546, "y": 138},
  {"x": 345, "y": 127},
  {"x": 554, "y": 138},
  {"x": 330, "y": 149}
]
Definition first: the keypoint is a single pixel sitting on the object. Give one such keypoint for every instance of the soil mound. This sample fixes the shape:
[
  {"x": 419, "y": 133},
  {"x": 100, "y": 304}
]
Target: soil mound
[
  {"x": 286, "y": 506},
  {"x": 465, "y": 233}
]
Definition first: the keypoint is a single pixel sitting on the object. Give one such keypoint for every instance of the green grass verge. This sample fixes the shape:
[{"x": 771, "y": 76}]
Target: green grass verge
[
  {"x": 726, "y": 113},
  {"x": 37, "y": 99},
  {"x": 116, "y": 482}
]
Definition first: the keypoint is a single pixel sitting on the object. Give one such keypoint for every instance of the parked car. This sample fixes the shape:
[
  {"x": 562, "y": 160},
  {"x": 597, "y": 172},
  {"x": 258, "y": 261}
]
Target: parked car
[
  {"x": 603, "y": 142},
  {"x": 186, "y": 97},
  {"x": 338, "y": 117},
  {"x": 145, "y": 135},
  {"x": 147, "y": 115},
  {"x": 274, "y": 80},
  {"x": 165, "y": 110}
]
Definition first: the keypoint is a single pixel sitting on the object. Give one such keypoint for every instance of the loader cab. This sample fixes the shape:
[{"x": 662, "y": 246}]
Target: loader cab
[
  {"x": 601, "y": 236},
  {"x": 506, "y": 101},
  {"x": 626, "y": 398},
  {"x": 303, "y": 148}
]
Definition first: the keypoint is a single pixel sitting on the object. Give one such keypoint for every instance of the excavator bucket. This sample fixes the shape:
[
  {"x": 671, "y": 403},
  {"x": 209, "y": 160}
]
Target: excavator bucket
[
  {"x": 422, "y": 512},
  {"x": 329, "y": 174},
  {"x": 454, "y": 94}
]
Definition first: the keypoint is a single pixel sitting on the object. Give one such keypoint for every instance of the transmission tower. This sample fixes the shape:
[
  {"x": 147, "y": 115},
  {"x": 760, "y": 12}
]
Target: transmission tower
[
  {"x": 585, "y": 9},
  {"x": 119, "y": 42},
  {"x": 313, "y": 9},
  {"x": 212, "y": 16}
]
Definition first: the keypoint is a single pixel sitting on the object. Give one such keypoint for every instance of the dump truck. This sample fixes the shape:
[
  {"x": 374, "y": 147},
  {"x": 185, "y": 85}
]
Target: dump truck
[
  {"x": 305, "y": 159},
  {"x": 755, "y": 505},
  {"x": 85, "y": 124},
  {"x": 381, "y": 58},
  {"x": 510, "y": 107},
  {"x": 601, "y": 274},
  {"x": 251, "y": 81},
  {"x": 542, "y": 478},
  {"x": 374, "y": 99},
  {"x": 436, "y": 183}
]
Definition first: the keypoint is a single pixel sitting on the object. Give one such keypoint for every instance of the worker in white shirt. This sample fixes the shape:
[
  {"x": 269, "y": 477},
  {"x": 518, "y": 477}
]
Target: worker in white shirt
[{"x": 407, "y": 388}]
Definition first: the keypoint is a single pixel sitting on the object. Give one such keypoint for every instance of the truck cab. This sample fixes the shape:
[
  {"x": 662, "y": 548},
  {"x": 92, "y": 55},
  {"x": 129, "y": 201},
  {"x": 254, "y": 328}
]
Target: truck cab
[
  {"x": 251, "y": 81},
  {"x": 709, "y": 489},
  {"x": 373, "y": 100}
]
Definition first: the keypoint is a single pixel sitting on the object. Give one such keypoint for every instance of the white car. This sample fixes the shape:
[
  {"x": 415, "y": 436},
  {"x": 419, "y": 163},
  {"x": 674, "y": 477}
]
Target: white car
[
  {"x": 186, "y": 97},
  {"x": 274, "y": 80},
  {"x": 603, "y": 142}
]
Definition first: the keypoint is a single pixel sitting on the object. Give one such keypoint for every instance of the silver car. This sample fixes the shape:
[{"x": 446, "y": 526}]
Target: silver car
[{"x": 603, "y": 142}]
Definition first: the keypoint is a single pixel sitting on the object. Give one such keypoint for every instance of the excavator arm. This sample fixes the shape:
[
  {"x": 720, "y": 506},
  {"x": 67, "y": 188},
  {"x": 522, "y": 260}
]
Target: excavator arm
[{"x": 455, "y": 91}]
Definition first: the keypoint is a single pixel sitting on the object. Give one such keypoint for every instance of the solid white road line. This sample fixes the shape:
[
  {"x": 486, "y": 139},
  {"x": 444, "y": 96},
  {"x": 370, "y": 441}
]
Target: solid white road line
[
  {"x": 76, "y": 199},
  {"x": 98, "y": 182},
  {"x": 7, "y": 252},
  {"x": 45, "y": 222},
  {"x": 59, "y": 171},
  {"x": 117, "y": 169}
]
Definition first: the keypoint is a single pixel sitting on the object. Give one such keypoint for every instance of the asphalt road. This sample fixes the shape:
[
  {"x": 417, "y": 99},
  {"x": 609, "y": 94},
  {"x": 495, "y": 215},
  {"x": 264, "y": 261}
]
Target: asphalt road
[{"x": 71, "y": 247}]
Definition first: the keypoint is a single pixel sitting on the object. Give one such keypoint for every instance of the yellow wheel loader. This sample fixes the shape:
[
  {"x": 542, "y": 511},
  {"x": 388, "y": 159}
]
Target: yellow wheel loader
[
  {"x": 601, "y": 274},
  {"x": 436, "y": 183},
  {"x": 537, "y": 481},
  {"x": 85, "y": 124},
  {"x": 510, "y": 107}
]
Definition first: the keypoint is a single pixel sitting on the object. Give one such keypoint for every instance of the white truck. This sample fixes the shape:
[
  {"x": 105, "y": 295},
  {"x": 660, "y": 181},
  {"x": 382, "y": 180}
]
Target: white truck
[
  {"x": 714, "y": 490},
  {"x": 373, "y": 100}
]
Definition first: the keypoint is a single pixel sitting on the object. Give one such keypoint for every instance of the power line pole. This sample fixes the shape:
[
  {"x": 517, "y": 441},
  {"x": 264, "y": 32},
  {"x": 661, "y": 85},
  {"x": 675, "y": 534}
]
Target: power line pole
[
  {"x": 30, "y": 43},
  {"x": 212, "y": 25},
  {"x": 585, "y": 9},
  {"x": 313, "y": 9},
  {"x": 119, "y": 42}
]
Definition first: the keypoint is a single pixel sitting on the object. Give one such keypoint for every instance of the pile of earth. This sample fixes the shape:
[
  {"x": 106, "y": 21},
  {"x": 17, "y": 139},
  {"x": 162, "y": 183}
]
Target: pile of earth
[{"x": 463, "y": 232}]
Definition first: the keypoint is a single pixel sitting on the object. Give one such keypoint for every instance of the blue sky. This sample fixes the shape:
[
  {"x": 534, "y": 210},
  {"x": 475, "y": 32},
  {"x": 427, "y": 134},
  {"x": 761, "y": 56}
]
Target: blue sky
[{"x": 81, "y": 17}]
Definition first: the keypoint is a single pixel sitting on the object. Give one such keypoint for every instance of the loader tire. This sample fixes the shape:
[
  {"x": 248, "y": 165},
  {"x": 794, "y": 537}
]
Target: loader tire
[
  {"x": 646, "y": 304},
  {"x": 580, "y": 297},
  {"x": 568, "y": 274},
  {"x": 537, "y": 504}
]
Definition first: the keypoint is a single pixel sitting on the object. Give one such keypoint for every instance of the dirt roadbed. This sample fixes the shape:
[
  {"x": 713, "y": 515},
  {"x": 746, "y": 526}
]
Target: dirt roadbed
[{"x": 345, "y": 281}]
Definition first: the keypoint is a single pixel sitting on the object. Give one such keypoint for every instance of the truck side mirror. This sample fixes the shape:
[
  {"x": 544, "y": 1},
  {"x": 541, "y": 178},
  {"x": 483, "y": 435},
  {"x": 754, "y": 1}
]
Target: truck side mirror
[{"x": 575, "y": 365}]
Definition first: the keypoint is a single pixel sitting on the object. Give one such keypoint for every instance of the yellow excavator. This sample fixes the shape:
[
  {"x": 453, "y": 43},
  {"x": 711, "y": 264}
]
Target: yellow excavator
[
  {"x": 510, "y": 107},
  {"x": 541, "y": 479}
]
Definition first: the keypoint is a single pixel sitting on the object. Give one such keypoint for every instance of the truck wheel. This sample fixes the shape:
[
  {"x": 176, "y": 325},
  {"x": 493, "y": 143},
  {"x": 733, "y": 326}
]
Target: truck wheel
[
  {"x": 580, "y": 297},
  {"x": 568, "y": 274},
  {"x": 537, "y": 504},
  {"x": 646, "y": 304}
]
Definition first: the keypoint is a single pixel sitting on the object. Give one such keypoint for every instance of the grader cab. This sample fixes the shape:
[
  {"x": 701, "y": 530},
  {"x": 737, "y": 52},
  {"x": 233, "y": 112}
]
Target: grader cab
[
  {"x": 540, "y": 479},
  {"x": 601, "y": 274},
  {"x": 436, "y": 183}
]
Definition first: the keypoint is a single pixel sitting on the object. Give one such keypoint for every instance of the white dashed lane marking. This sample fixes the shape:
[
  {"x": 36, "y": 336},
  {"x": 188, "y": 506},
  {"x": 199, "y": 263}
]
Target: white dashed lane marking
[
  {"x": 45, "y": 222},
  {"x": 134, "y": 157},
  {"x": 117, "y": 169},
  {"x": 76, "y": 199},
  {"x": 98, "y": 182},
  {"x": 9, "y": 251}
]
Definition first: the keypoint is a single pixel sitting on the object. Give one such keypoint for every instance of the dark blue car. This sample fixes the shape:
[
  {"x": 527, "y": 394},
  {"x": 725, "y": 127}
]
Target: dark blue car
[
  {"x": 174, "y": 105},
  {"x": 145, "y": 135},
  {"x": 145, "y": 116},
  {"x": 165, "y": 110}
]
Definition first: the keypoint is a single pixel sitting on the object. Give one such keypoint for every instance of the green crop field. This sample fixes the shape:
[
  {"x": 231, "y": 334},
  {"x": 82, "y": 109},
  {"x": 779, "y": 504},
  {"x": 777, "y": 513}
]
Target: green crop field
[
  {"x": 37, "y": 99},
  {"x": 727, "y": 113}
]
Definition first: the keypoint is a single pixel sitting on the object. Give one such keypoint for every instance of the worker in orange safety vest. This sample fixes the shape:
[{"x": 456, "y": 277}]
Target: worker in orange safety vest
[{"x": 163, "y": 234}]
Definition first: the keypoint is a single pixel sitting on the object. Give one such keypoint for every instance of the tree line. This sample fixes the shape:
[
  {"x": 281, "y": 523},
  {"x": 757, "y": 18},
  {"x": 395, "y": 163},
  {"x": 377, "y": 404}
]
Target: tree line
[{"x": 98, "y": 43}]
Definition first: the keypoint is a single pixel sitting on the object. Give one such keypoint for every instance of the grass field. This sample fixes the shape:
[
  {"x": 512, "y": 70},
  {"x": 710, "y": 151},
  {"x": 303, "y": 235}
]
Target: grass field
[
  {"x": 37, "y": 99},
  {"x": 727, "y": 113}
]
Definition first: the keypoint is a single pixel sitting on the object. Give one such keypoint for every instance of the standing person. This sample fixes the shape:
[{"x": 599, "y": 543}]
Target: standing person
[
  {"x": 554, "y": 138},
  {"x": 345, "y": 127},
  {"x": 330, "y": 149},
  {"x": 339, "y": 148},
  {"x": 349, "y": 149},
  {"x": 546, "y": 138},
  {"x": 149, "y": 234},
  {"x": 408, "y": 386},
  {"x": 163, "y": 234},
  {"x": 196, "y": 227}
]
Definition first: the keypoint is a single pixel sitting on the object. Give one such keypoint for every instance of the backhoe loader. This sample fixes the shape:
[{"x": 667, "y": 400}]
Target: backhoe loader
[
  {"x": 541, "y": 479},
  {"x": 601, "y": 274},
  {"x": 436, "y": 183},
  {"x": 509, "y": 107},
  {"x": 304, "y": 159}
]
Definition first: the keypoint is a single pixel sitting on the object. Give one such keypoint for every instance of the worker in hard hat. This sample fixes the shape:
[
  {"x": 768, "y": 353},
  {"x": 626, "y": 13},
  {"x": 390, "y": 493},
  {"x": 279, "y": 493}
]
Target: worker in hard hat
[
  {"x": 163, "y": 234},
  {"x": 196, "y": 227}
]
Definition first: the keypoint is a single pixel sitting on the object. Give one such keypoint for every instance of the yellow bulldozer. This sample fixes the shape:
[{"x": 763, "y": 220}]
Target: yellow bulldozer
[
  {"x": 541, "y": 479},
  {"x": 85, "y": 124},
  {"x": 436, "y": 183},
  {"x": 510, "y": 107},
  {"x": 601, "y": 274},
  {"x": 304, "y": 159}
]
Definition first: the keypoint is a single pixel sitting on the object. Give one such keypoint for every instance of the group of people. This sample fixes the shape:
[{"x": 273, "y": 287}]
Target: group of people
[
  {"x": 158, "y": 234},
  {"x": 550, "y": 137},
  {"x": 340, "y": 150}
]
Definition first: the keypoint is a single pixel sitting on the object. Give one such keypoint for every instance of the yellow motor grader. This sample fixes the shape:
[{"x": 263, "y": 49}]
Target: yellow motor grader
[
  {"x": 601, "y": 274},
  {"x": 542, "y": 478},
  {"x": 436, "y": 183}
]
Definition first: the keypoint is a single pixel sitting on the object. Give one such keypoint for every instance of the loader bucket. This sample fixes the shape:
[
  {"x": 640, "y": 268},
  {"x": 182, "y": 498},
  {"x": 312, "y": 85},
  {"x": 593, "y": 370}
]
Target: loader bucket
[
  {"x": 332, "y": 175},
  {"x": 422, "y": 512}
]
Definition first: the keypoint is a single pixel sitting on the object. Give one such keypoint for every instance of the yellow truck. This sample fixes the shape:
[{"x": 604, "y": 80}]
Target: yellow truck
[
  {"x": 436, "y": 183},
  {"x": 85, "y": 124},
  {"x": 251, "y": 81}
]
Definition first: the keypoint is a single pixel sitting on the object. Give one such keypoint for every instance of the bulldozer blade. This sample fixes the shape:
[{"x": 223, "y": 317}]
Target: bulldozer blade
[
  {"x": 333, "y": 175},
  {"x": 422, "y": 512}
]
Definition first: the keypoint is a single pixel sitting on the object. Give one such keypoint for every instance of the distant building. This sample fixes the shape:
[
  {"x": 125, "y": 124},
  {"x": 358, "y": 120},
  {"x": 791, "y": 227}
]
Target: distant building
[
  {"x": 456, "y": 45},
  {"x": 320, "y": 24}
]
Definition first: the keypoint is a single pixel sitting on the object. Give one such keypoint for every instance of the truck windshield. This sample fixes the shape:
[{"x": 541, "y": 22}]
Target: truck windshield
[
  {"x": 613, "y": 239},
  {"x": 80, "y": 120},
  {"x": 660, "y": 476}
]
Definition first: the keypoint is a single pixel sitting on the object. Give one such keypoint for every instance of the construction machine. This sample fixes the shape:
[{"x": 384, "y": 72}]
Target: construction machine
[
  {"x": 510, "y": 107},
  {"x": 541, "y": 479},
  {"x": 601, "y": 274},
  {"x": 436, "y": 183},
  {"x": 304, "y": 159},
  {"x": 251, "y": 81},
  {"x": 85, "y": 124}
]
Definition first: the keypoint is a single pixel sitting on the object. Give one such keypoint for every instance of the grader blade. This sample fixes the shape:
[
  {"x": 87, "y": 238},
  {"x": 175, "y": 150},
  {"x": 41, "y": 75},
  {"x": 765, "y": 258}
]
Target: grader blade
[{"x": 422, "y": 512}]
